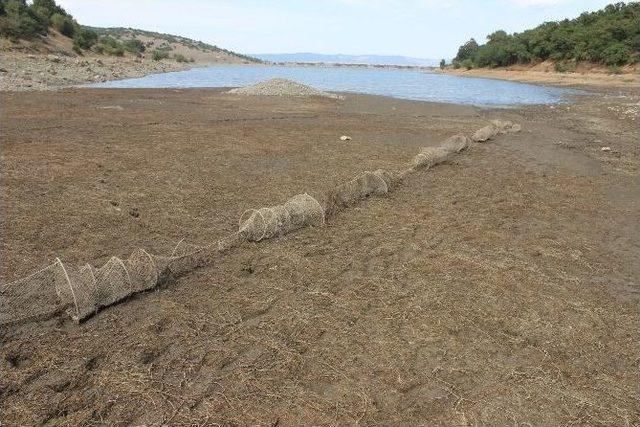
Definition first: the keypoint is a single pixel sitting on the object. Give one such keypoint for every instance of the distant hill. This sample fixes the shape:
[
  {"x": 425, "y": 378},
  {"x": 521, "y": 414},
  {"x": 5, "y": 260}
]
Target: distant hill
[
  {"x": 609, "y": 37},
  {"x": 345, "y": 59}
]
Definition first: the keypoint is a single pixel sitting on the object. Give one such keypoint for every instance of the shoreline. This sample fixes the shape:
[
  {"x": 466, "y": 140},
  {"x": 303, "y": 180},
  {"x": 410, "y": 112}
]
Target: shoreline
[
  {"x": 583, "y": 80},
  {"x": 49, "y": 72},
  {"x": 551, "y": 78},
  {"x": 29, "y": 72}
]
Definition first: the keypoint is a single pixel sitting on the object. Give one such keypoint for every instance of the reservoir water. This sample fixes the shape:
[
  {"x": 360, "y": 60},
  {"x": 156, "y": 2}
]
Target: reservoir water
[{"x": 398, "y": 83}]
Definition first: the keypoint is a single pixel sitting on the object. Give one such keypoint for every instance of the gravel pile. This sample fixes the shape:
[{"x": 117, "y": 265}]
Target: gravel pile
[{"x": 282, "y": 87}]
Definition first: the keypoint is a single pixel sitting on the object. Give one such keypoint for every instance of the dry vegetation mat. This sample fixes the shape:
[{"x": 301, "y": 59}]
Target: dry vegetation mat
[
  {"x": 497, "y": 288},
  {"x": 83, "y": 290}
]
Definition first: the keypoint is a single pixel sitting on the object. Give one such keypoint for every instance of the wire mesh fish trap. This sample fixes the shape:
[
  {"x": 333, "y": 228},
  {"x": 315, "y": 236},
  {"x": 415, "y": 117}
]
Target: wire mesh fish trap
[
  {"x": 429, "y": 157},
  {"x": 300, "y": 211},
  {"x": 364, "y": 185},
  {"x": 506, "y": 126},
  {"x": 484, "y": 134},
  {"x": 32, "y": 297},
  {"x": 87, "y": 289},
  {"x": 496, "y": 127},
  {"x": 455, "y": 143},
  {"x": 84, "y": 290}
]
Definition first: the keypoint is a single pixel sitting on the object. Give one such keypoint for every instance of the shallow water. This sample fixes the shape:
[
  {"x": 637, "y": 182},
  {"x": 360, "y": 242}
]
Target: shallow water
[{"x": 405, "y": 84}]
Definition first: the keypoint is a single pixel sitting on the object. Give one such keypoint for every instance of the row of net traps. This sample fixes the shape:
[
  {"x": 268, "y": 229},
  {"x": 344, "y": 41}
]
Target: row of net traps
[{"x": 82, "y": 291}]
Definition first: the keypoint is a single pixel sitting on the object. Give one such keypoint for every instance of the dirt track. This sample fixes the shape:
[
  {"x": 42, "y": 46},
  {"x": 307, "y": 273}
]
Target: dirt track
[{"x": 500, "y": 288}]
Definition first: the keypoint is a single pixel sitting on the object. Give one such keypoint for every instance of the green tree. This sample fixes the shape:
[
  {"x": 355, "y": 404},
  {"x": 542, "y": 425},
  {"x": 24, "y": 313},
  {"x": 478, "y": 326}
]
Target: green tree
[
  {"x": 467, "y": 63},
  {"x": 18, "y": 20},
  {"x": 499, "y": 36},
  {"x": 50, "y": 6},
  {"x": 610, "y": 36},
  {"x": 467, "y": 50},
  {"x": 616, "y": 54}
]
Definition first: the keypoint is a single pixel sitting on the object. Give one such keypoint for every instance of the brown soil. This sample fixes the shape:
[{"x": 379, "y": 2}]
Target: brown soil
[{"x": 501, "y": 288}]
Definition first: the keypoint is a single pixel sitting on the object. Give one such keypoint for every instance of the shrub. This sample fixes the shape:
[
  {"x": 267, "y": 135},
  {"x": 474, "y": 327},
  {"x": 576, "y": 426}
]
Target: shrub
[
  {"x": 467, "y": 63},
  {"x": 159, "y": 54},
  {"x": 180, "y": 57},
  {"x": 165, "y": 46},
  {"x": 635, "y": 43},
  {"x": 64, "y": 24},
  {"x": 84, "y": 38},
  {"x": 21, "y": 21},
  {"x": 134, "y": 46},
  {"x": 111, "y": 46},
  {"x": 564, "y": 66},
  {"x": 114, "y": 50},
  {"x": 443, "y": 64},
  {"x": 18, "y": 19},
  {"x": 615, "y": 69},
  {"x": 616, "y": 54},
  {"x": 41, "y": 15}
]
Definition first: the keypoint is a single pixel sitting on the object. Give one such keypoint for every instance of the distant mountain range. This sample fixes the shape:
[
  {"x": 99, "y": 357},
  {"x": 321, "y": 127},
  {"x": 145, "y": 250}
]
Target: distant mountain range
[{"x": 346, "y": 59}]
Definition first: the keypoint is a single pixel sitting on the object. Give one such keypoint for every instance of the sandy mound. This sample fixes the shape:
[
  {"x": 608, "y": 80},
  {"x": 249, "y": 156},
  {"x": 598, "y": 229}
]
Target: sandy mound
[{"x": 282, "y": 87}]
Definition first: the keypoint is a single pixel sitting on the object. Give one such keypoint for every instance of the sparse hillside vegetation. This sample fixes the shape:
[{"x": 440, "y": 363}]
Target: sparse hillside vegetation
[
  {"x": 43, "y": 47},
  {"x": 22, "y": 21},
  {"x": 166, "y": 41},
  {"x": 610, "y": 37}
]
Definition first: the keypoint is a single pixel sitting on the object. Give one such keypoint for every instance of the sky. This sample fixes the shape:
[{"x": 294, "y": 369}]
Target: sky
[{"x": 418, "y": 28}]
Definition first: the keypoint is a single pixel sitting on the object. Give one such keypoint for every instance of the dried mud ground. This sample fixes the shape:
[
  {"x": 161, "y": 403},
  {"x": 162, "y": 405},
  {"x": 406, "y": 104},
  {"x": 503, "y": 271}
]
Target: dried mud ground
[{"x": 497, "y": 289}]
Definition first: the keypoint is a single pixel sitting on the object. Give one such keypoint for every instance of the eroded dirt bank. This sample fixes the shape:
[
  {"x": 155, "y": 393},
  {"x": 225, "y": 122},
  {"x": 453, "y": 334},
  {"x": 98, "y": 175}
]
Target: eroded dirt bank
[
  {"x": 500, "y": 288},
  {"x": 627, "y": 80}
]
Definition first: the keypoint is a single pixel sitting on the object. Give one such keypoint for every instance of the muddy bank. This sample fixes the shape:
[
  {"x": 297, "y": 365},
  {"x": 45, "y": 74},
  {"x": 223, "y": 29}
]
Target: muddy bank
[
  {"x": 501, "y": 286},
  {"x": 625, "y": 81}
]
